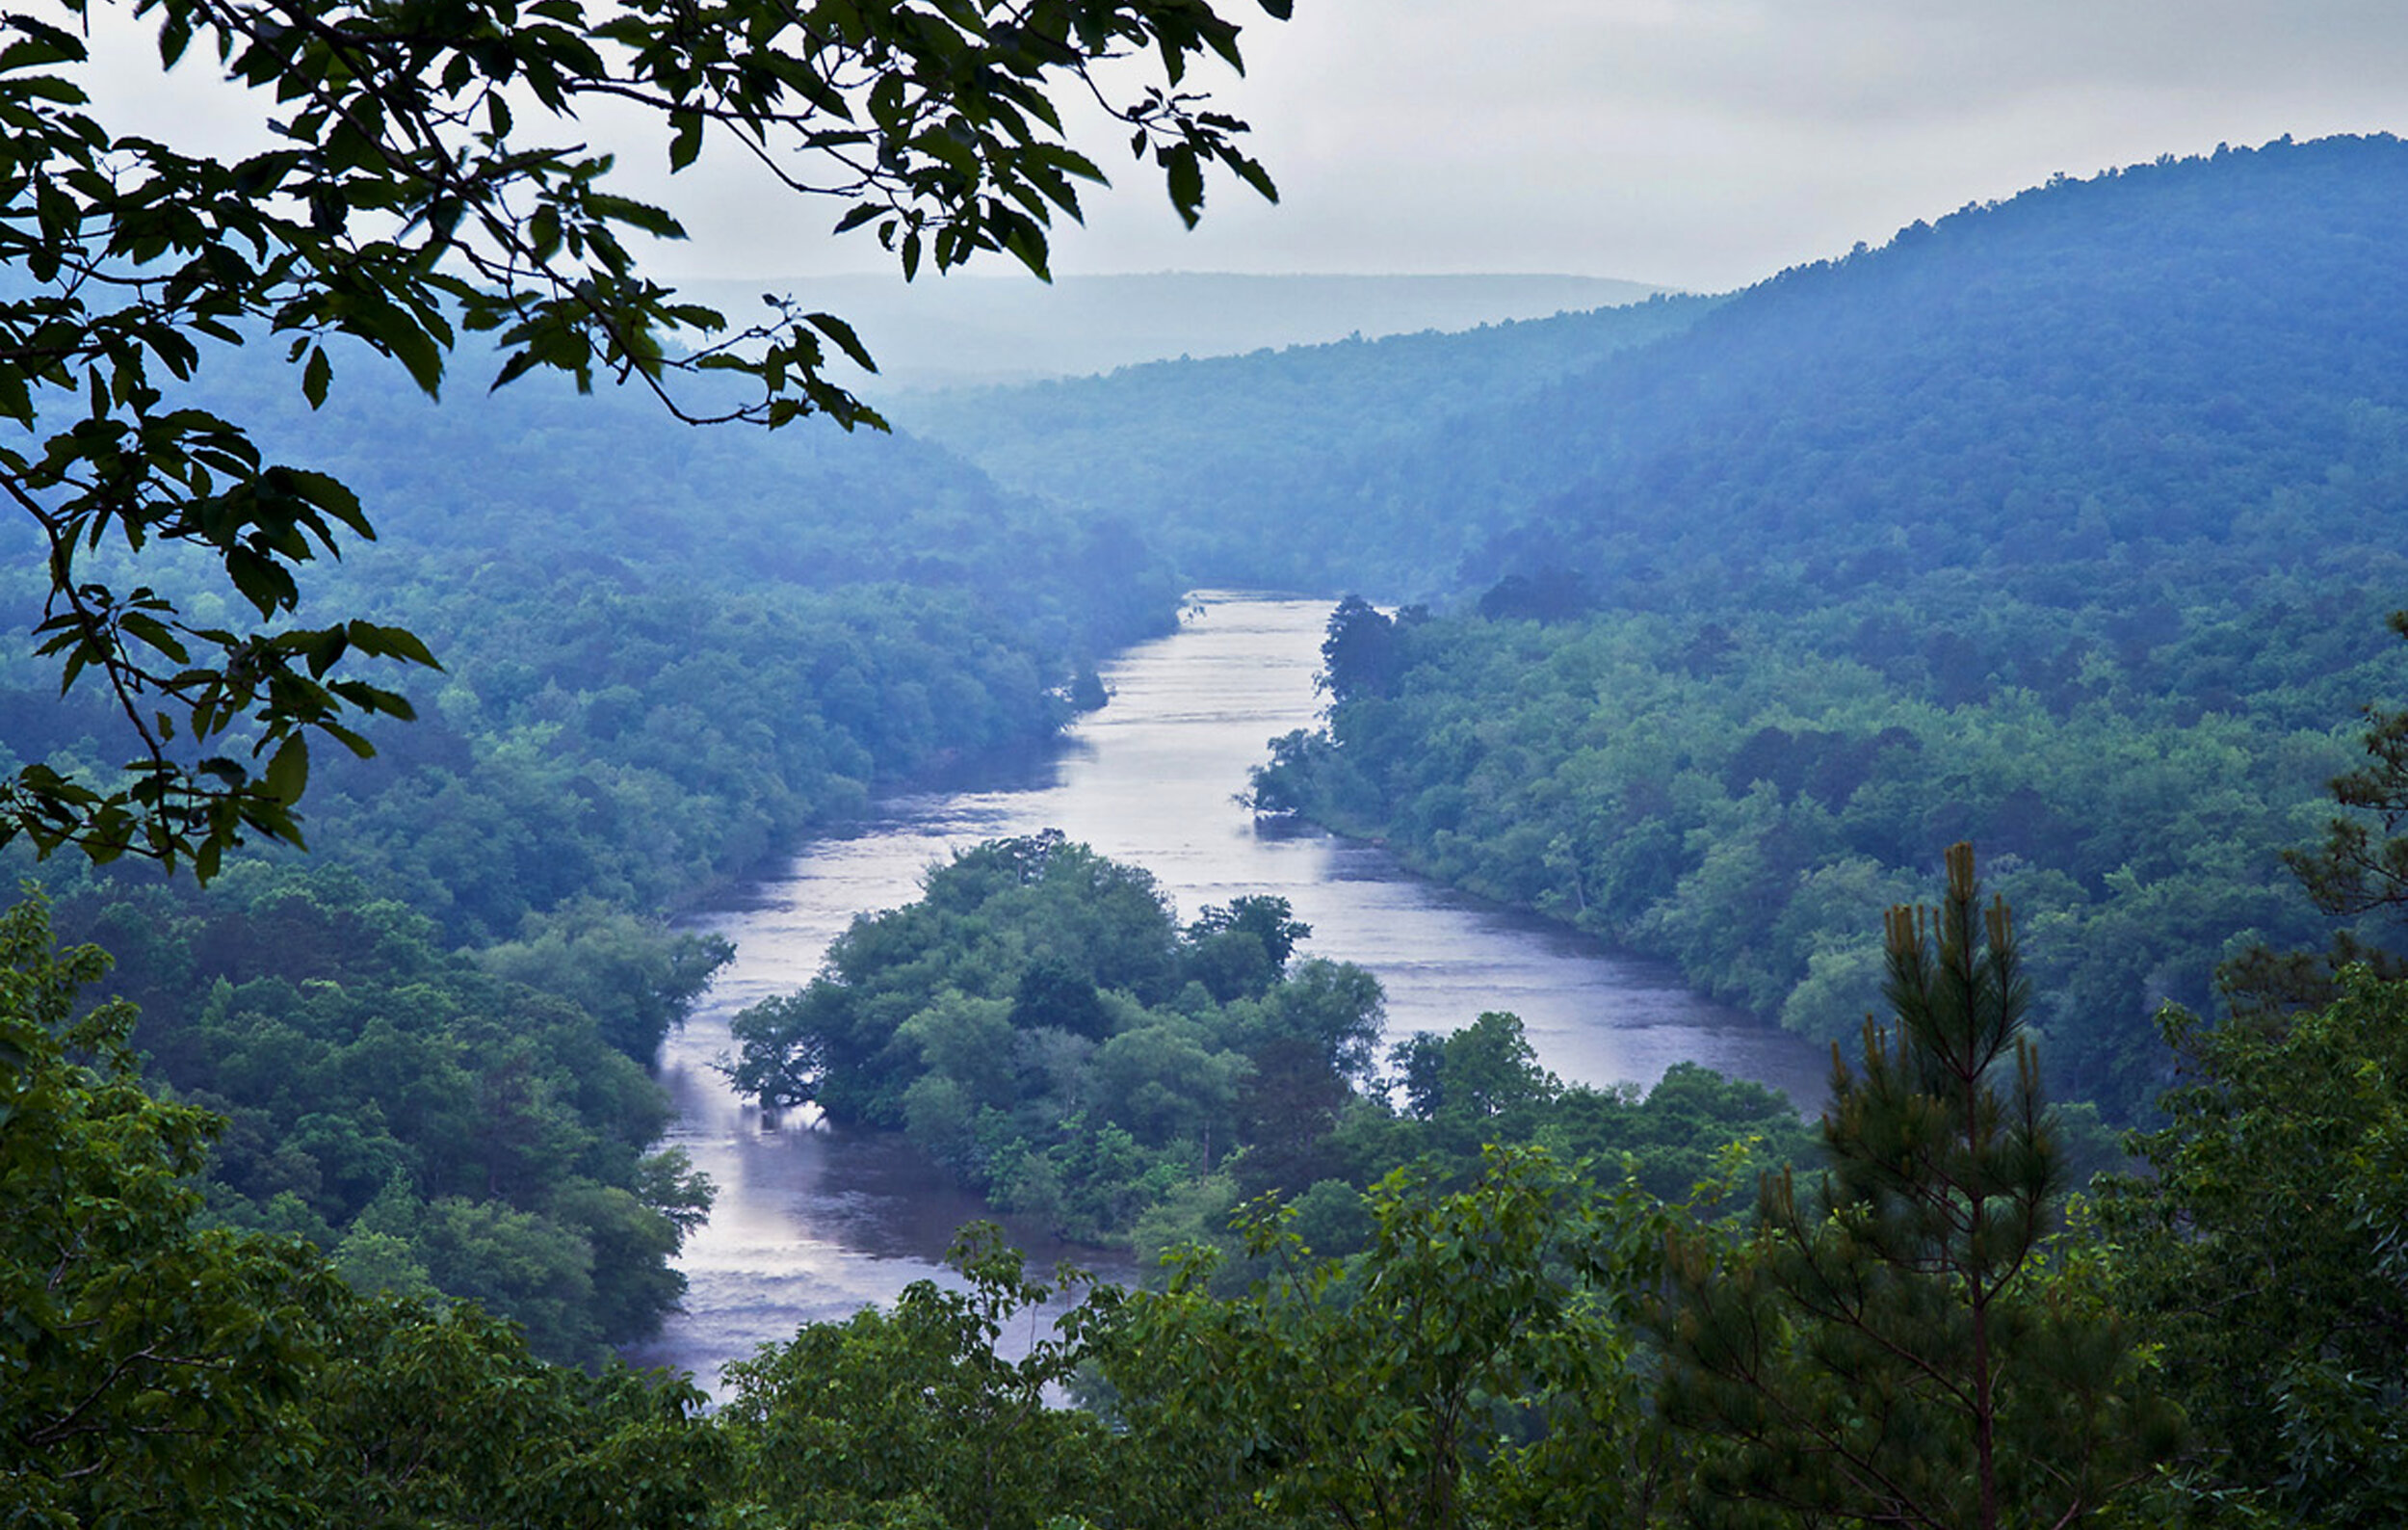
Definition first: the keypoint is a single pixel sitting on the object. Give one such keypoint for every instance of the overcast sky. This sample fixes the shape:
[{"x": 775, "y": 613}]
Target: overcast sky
[{"x": 1699, "y": 144}]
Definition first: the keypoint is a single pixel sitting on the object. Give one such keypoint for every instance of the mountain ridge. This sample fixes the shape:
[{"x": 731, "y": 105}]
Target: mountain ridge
[
  {"x": 2195, "y": 333},
  {"x": 980, "y": 330}
]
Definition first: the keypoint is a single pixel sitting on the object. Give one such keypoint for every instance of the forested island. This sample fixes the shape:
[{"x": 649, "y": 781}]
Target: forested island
[{"x": 1728, "y": 628}]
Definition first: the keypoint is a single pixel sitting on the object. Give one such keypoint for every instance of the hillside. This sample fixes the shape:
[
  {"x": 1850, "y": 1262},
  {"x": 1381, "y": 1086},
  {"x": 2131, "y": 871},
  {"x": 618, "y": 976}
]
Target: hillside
[
  {"x": 669, "y": 654},
  {"x": 2159, "y": 355},
  {"x": 2066, "y": 524},
  {"x": 2168, "y": 356},
  {"x": 971, "y": 330},
  {"x": 1247, "y": 469}
]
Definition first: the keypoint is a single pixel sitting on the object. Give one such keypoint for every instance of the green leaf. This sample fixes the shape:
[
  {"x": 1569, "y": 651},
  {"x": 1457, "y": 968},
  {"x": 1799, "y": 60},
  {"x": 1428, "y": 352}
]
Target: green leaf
[
  {"x": 685, "y": 143},
  {"x": 288, "y": 770},
  {"x": 846, "y": 341},
  {"x": 154, "y": 632},
  {"x": 316, "y": 376},
  {"x": 1186, "y": 177},
  {"x": 396, "y": 643},
  {"x": 349, "y": 739}
]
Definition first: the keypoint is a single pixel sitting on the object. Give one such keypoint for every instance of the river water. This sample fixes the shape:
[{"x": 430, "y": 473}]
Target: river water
[{"x": 812, "y": 1225}]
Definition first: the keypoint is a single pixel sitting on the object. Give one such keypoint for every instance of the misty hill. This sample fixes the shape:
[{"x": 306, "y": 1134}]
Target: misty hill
[
  {"x": 2209, "y": 351},
  {"x": 611, "y": 488},
  {"x": 668, "y": 651},
  {"x": 1214, "y": 456},
  {"x": 2208, "y": 354},
  {"x": 2066, "y": 526},
  {"x": 967, "y": 331}
]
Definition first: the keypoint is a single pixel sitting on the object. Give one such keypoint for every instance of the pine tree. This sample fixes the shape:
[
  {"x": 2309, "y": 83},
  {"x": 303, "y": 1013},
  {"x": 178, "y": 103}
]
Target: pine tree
[{"x": 1894, "y": 1343}]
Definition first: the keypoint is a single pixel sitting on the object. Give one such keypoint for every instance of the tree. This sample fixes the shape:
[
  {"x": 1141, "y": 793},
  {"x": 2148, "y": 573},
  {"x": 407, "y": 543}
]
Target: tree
[
  {"x": 1891, "y": 1347},
  {"x": 155, "y": 1370},
  {"x": 1361, "y": 655},
  {"x": 1482, "y": 1072},
  {"x": 2363, "y": 866},
  {"x": 439, "y": 1415},
  {"x": 145, "y": 1362},
  {"x": 784, "y": 1046},
  {"x": 1474, "y": 1366},
  {"x": 1336, "y": 1008},
  {"x": 910, "y": 1417},
  {"x": 1241, "y": 949},
  {"x": 1268, "y": 917},
  {"x": 1053, "y": 993},
  {"x": 638, "y": 979},
  {"x": 2264, "y": 1254},
  {"x": 423, "y": 182},
  {"x": 2264, "y": 1250},
  {"x": 1290, "y": 1102}
]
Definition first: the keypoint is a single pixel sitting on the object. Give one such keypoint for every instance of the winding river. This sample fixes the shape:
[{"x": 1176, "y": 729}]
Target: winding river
[{"x": 812, "y": 1225}]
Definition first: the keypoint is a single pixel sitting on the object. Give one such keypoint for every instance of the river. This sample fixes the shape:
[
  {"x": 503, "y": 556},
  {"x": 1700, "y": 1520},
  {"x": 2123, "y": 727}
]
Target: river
[{"x": 812, "y": 1225}]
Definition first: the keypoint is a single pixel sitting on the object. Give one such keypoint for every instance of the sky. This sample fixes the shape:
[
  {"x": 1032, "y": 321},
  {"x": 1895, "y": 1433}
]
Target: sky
[{"x": 1693, "y": 143}]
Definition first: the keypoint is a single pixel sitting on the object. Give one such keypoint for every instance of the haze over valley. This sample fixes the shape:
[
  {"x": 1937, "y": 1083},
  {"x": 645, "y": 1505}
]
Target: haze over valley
[{"x": 1367, "y": 801}]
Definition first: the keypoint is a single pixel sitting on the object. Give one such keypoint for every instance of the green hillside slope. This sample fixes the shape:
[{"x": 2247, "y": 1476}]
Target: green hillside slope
[
  {"x": 2066, "y": 523},
  {"x": 669, "y": 654},
  {"x": 1260, "y": 468}
]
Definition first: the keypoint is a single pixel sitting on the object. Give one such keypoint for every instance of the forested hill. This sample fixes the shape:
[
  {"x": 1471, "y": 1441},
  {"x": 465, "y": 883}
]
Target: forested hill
[
  {"x": 720, "y": 635},
  {"x": 973, "y": 330},
  {"x": 1254, "y": 469},
  {"x": 2172, "y": 354},
  {"x": 612, "y": 488},
  {"x": 667, "y": 655},
  {"x": 2066, "y": 526},
  {"x": 2175, "y": 352}
]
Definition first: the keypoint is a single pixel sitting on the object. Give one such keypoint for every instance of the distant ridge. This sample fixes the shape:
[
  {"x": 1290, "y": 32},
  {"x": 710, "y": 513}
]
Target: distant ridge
[
  {"x": 2208, "y": 353},
  {"x": 973, "y": 330},
  {"x": 2188, "y": 352}
]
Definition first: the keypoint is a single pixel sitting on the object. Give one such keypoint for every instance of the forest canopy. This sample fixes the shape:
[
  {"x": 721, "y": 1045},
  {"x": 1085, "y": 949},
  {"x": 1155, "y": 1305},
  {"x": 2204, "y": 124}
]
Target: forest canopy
[
  {"x": 1706, "y": 669},
  {"x": 429, "y": 1049},
  {"x": 1510, "y": 1341},
  {"x": 2067, "y": 523}
]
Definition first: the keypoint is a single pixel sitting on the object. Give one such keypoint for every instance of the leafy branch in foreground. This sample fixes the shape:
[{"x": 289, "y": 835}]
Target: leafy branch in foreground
[{"x": 422, "y": 183}]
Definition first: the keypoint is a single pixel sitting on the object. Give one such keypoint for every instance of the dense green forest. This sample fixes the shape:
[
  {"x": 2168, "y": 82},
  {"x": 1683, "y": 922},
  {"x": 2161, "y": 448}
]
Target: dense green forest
[
  {"x": 2057, "y": 392},
  {"x": 2067, "y": 524},
  {"x": 1906, "y": 1328},
  {"x": 429, "y": 1034},
  {"x": 1269, "y": 469},
  {"x": 1739, "y": 805},
  {"x": 2064, "y": 526},
  {"x": 1041, "y": 1024}
]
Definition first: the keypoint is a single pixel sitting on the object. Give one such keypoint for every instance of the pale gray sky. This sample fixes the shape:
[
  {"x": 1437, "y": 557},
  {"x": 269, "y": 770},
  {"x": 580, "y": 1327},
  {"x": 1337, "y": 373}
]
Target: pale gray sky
[{"x": 1692, "y": 142}]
